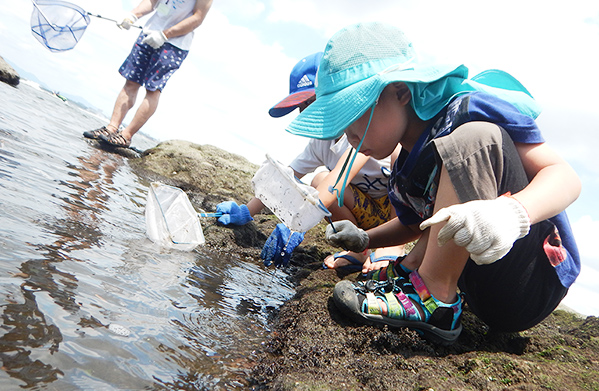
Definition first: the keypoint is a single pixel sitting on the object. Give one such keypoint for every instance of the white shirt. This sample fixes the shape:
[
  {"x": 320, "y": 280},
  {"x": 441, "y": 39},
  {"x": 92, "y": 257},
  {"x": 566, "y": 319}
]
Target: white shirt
[
  {"x": 372, "y": 178},
  {"x": 167, "y": 14}
]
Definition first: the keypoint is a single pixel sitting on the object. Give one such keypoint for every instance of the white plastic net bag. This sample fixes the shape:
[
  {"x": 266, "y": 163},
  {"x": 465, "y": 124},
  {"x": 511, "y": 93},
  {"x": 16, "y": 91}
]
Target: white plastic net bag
[
  {"x": 296, "y": 204},
  {"x": 171, "y": 220}
]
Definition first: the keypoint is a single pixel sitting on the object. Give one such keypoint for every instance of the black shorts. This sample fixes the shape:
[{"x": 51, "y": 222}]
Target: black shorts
[{"x": 521, "y": 289}]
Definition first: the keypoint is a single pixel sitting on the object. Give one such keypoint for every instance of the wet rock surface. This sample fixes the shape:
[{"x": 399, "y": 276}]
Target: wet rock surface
[{"x": 315, "y": 347}]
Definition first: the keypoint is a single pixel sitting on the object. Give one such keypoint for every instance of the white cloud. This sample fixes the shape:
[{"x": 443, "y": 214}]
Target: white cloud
[
  {"x": 586, "y": 232},
  {"x": 241, "y": 9}
]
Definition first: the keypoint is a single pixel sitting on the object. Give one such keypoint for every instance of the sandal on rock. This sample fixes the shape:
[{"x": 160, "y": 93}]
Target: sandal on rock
[
  {"x": 353, "y": 266},
  {"x": 394, "y": 270},
  {"x": 95, "y": 134},
  {"x": 116, "y": 140},
  {"x": 409, "y": 304}
]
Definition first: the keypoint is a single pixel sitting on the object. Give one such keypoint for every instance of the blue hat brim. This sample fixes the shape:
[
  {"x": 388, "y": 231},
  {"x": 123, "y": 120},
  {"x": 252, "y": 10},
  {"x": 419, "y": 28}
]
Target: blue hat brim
[{"x": 329, "y": 116}]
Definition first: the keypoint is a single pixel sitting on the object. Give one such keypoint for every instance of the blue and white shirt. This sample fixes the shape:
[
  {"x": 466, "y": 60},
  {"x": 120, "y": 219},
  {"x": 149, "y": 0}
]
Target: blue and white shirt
[{"x": 414, "y": 180}]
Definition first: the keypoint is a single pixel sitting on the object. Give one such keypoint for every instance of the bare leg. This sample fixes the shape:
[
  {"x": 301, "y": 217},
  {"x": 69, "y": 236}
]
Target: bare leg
[
  {"x": 442, "y": 266},
  {"x": 345, "y": 213},
  {"x": 124, "y": 102},
  {"x": 340, "y": 213},
  {"x": 395, "y": 251},
  {"x": 142, "y": 115}
]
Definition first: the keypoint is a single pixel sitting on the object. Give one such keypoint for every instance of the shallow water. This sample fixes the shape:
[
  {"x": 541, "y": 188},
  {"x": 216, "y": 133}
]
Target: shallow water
[{"x": 86, "y": 300}]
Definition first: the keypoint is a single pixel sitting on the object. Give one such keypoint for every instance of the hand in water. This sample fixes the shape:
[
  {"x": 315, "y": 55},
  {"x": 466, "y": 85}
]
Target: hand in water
[{"x": 280, "y": 245}]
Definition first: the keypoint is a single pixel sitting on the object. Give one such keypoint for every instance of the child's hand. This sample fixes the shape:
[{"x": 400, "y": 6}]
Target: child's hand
[
  {"x": 348, "y": 236},
  {"x": 486, "y": 228},
  {"x": 128, "y": 20},
  {"x": 279, "y": 246},
  {"x": 233, "y": 213},
  {"x": 155, "y": 39}
]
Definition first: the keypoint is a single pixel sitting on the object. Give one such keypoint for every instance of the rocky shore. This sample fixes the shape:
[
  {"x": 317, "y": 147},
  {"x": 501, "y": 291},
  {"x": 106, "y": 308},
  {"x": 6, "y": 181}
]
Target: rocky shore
[
  {"x": 8, "y": 75},
  {"x": 314, "y": 347}
]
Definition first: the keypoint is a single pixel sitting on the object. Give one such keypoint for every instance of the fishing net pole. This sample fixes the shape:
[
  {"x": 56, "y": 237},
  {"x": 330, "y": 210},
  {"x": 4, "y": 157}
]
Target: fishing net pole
[{"x": 59, "y": 25}]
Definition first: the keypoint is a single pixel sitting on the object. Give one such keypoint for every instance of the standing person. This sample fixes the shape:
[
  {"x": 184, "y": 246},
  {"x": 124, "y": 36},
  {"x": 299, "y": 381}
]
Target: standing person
[
  {"x": 158, "y": 52},
  {"x": 475, "y": 183},
  {"x": 365, "y": 203}
]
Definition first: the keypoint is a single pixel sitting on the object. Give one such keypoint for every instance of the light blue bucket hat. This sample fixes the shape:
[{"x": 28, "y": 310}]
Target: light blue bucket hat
[{"x": 362, "y": 59}]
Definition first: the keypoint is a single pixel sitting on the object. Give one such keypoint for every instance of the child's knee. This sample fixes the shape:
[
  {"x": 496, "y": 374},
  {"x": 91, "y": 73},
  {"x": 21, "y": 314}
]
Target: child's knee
[{"x": 318, "y": 178}]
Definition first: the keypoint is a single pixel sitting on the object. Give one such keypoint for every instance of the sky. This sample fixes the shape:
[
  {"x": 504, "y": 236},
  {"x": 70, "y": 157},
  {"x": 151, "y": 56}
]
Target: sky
[{"x": 239, "y": 64}]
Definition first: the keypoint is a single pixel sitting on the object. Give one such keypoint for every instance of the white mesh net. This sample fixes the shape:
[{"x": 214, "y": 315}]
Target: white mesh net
[{"x": 58, "y": 25}]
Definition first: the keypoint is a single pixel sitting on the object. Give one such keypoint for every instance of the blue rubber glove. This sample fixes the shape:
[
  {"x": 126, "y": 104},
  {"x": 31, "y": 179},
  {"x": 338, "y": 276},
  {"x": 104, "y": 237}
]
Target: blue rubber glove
[
  {"x": 280, "y": 245},
  {"x": 233, "y": 213}
]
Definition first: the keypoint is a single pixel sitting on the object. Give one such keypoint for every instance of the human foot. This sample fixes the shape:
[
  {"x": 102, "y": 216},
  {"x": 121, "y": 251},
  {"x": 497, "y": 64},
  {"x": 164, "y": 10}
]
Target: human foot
[
  {"x": 345, "y": 260},
  {"x": 116, "y": 140},
  {"x": 95, "y": 134},
  {"x": 401, "y": 302}
]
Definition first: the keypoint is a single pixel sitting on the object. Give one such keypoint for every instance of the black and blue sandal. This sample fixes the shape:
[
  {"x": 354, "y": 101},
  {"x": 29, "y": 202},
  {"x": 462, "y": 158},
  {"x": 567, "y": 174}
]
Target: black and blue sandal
[
  {"x": 115, "y": 140},
  {"x": 409, "y": 304}
]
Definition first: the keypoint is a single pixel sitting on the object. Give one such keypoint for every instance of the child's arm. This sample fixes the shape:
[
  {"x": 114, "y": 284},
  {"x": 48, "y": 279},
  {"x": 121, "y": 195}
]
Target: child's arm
[
  {"x": 488, "y": 228},
  {"x": 189, "y": 24},
  {"x": 325, "y": 195},
  {"x": 553, "y": 183},
  {"x": 391, "y": 233},
  {"x": 254, "y": 206},
  {"x": 144, "y": 8}
]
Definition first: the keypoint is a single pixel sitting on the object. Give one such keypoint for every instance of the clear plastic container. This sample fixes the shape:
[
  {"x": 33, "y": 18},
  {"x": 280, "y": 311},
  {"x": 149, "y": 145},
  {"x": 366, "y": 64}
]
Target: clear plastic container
[
  {"x": 171, "y": 220},
  {"x": 296, "y": 204}
]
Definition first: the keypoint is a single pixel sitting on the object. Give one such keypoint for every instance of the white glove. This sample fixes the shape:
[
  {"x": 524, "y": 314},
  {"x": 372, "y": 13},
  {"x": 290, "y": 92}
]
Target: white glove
[
  {"x": 348, "y": 236},
  {"x": 128, "y": 21},
  {"x": 486, "y": 228},
  {"x": 155, "y": 38}
]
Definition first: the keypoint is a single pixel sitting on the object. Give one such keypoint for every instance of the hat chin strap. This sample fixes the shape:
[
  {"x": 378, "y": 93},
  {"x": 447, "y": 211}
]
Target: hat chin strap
[{"x": 333, "y": 189}]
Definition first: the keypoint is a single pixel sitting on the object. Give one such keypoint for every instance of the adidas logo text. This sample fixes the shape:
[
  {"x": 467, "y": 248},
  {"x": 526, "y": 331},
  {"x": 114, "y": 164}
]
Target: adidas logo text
[{"x": 304, "y": 82}]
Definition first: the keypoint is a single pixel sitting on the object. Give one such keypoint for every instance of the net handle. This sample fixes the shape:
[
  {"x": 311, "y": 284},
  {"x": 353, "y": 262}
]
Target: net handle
[
  {"x": 88, "y": 13},
  {"x": 111, "y": 20}
]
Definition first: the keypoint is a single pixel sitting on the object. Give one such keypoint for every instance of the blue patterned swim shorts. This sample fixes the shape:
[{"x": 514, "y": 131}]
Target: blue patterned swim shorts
[{"x": 151, "y": 67}]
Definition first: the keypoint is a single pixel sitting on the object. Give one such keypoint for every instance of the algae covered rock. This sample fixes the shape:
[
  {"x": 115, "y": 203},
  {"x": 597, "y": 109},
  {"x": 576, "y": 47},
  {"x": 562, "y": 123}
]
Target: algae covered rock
[{"x": 206, "y": 168}]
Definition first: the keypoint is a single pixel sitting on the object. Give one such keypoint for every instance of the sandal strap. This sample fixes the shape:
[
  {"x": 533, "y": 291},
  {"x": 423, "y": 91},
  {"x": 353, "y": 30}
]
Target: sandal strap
[
  {"x": 394, "y": 308},
  {"x": 100, "y": 131},
  {"x": 399, "y": 305},
  {"x": 408, "y": 307},
  {"x": 429, "y": 302},
  {"x": 394, "y": 270},
  {"x": 117, "y": 139},
  {"x": 372, "y": 304}
]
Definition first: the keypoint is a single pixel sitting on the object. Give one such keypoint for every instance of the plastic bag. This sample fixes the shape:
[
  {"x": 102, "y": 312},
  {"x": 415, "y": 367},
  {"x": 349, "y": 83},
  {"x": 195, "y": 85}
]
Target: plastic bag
[
  {"x": 171, "y": 220},
  {"x": 296, "y": 204}
]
